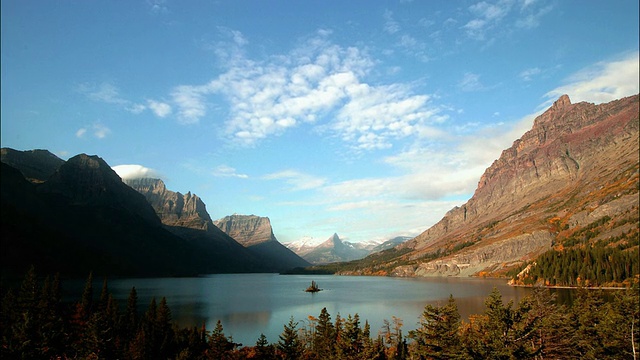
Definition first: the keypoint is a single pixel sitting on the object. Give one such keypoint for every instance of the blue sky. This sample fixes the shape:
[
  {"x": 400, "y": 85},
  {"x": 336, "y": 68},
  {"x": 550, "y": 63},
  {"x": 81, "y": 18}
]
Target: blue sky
[{"x": 369, "y": 119}]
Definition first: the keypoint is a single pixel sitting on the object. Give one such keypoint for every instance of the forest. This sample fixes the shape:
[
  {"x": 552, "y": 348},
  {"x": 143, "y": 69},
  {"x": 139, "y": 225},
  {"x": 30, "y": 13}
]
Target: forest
[{"x": 37, "y": 324}]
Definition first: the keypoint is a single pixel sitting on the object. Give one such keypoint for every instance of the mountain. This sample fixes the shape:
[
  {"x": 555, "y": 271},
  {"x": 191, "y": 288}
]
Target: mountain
[
  {"x": 83, "y": 218},
  {"x": 391, "y": 243},
  {"x": 256, "y": 233},
  {"x": 35, "y": 165},
  {"x": 186, "y": 215},
  {"x": 304, "y": 245},
  {"x": 569, "y": 182},
  {"x": 333, "y": 250}
]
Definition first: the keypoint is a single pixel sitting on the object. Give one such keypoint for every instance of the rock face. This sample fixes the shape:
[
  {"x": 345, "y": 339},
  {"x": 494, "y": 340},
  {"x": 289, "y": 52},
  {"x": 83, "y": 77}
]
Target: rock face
[
  {"x": 173, "y": 208},
  {"x": 578, "y": 163},
  {"x": 248, "y": 230},
  {"x": 186, "y": 215},
  {"x": 256, "y": 233}
]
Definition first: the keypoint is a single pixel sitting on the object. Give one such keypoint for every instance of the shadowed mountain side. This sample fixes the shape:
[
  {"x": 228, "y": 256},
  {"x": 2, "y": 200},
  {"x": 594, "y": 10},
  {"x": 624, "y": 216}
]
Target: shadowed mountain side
[
  {"x": 84, "y": 218},
  {"x": 256, "y": 233},
  {"x": 36, "y": 165},
  {"x": 73, "y": 236}
]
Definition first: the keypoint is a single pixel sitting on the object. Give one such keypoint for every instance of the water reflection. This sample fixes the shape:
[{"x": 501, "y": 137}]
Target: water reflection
[{"x": 251, "y": 304}]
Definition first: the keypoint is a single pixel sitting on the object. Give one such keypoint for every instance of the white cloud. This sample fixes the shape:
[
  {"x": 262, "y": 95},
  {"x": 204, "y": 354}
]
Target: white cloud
[
  {"x": 110, "y": 94},
  {"x": 98, "y": 130},
  {"x": 390, "y": 26},
  {"x": 228, "y": 171},
  {"x": 127, "y": 172},
  {"x": 527, "y": 75},
  {"x": 297, "y": 180},
  {"x": 471, "y": 82},
  {"x": 105, "y": 92},
  {"x": 158, "y": 6},
  {"x": 318, "y": 80},
  {"x": 190, "y": 102},
  {"x": 161, "y": 109},
  {"x": 602, "y": 82},
  {"x": 499, "y": 15}
]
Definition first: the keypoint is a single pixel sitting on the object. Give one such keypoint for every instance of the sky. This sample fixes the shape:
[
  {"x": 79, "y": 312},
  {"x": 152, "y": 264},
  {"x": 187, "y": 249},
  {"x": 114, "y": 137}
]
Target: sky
[{"x": 369, "y": 119}]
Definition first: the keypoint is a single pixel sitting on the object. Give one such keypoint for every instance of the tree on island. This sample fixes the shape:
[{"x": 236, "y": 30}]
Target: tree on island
[{"x": 313, "y": 287}]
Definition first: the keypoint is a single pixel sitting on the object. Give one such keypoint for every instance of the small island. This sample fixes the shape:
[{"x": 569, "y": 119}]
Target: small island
[{"x": 313, "y": 287}]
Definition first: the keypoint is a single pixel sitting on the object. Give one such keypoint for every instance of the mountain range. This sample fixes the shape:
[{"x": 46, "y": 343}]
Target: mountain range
[
  {"x": 78, "y": 216},
  {"x": 335, "y": 249},
  {"x": 571, "y": 182}
]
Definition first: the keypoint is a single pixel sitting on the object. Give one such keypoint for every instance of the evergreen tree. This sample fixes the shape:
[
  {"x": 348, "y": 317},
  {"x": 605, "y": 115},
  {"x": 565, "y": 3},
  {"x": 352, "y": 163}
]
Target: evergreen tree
[
  {"x": 325, "y": 334},
  {"x": 264, "y": 350},
  {"x": 289, "y": 346},
  {"x": 438, "y": 335},
  {"x": 220, "y": 347}
]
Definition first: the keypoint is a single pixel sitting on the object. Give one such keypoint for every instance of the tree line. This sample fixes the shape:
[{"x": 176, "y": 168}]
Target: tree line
[{"x": 36, "y": 324}]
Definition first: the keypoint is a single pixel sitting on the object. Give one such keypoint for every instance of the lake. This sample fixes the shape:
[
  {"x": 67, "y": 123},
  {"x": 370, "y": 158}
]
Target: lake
[{"x": 251, "y": 304}]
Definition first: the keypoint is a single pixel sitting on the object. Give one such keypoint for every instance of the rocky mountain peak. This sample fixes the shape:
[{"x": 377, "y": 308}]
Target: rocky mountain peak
[
  {"x": 561, "y": 103},
  {"x": 173, "y": 208},
  {"x": 248, "y": 230}
]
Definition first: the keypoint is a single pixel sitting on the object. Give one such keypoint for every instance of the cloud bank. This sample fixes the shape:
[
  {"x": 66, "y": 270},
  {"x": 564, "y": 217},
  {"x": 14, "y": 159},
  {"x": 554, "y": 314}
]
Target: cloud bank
[{"x": 129, "y": 172}]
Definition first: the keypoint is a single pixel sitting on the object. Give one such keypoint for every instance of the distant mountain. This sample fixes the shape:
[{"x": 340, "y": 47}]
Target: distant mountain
[
  {"x": 331, "y": 250},
  {"x": 304, "y": 245},
  {"x": 391, "y": 243},
  {"x": 569, "y": 183},
  {"x": 334, "y": 249},
  {"x": 256, "y": 233},
  {"x": 81, "y": 217}
]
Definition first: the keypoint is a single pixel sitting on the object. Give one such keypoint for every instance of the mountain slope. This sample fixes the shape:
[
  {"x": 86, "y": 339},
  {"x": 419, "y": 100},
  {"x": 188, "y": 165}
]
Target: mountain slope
[
  {"x": 186, "y": 215},
  {"x": 84, "y": 219},
  {"x": 35, "y": 165},
  {"x": 577, "y": 165},
  {"x": 256, "y": 233}
]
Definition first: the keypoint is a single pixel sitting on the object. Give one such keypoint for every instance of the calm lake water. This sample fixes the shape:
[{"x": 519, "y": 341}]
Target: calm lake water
[{"x": 251, "y": 304}]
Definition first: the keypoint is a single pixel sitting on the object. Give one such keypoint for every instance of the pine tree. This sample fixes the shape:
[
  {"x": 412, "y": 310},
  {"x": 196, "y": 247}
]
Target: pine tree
[
  {"x": 264, "y": 350},
  {"x": 289, "y": 346},
  {"x": 438, "y": 335},
  {"x": 324, "y": 335},
  {"x": 220, "y": 347}
]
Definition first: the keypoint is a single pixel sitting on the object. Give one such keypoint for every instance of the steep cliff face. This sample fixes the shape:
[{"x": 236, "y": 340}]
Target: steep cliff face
[
  {"x": 173, "y": 208},
  {"x": 248, "y": 230},
  {"x": 256, "y": 234},
  {"x": 577, "y": 162}
]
